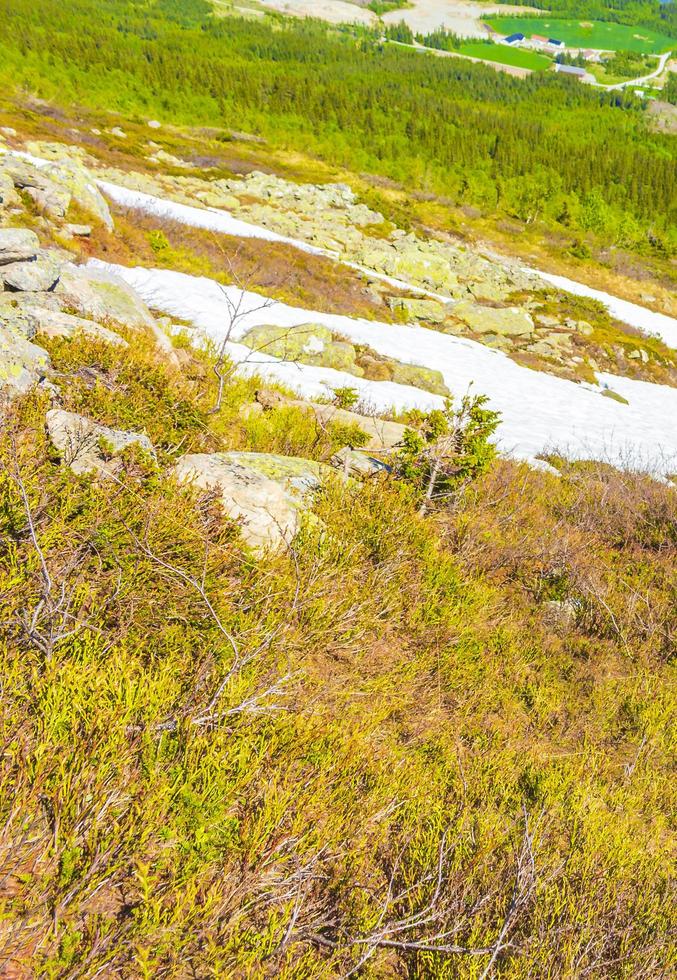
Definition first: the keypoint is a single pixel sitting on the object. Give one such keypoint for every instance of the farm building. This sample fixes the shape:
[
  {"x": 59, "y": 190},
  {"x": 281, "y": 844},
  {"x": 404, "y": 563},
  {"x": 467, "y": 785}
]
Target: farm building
[
  {"x": 514, "y": 38},
  {"x": 571, "y": 70},
  {"x": 539, "y": 38},
  {"x": 555, "y": 43}
]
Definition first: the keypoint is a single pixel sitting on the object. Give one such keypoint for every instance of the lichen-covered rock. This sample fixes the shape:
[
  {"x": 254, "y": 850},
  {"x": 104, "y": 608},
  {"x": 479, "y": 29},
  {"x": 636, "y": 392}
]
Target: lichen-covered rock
[
  {"x": 382, "y": 434},
  {"x": 308, "y": 343},
  {"x": 354, "y": 462},
  {"x": 39, "y": 276},
  {"x": 420, "y": 377},
  {"x": 22, "y": 364},
  {"x": 87, "y": 447},
  {"x": 62, "y": 178},
  {"x": 53, "y": 323},
  {"x": 419, "y": 309},
  {"x": 99, "y": 295},
  {"x": 509, "y": 321},
  {"x": 265, "y": 492},
  {"x": 17, "y": 245},
  {"x": 8, "y": 196},
  {"x": 20, "y": 311}
]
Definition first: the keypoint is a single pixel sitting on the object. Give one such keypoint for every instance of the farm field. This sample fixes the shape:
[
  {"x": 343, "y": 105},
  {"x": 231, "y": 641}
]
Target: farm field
[
  {"x": 503, "y": 55},
  {"x": 587, "y": 34}
]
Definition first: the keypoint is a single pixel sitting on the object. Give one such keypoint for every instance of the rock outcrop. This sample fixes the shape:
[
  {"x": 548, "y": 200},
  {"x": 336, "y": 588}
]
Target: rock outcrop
[
  {"x": 89, "y": 448},
  {"x": 266, "y": 493},
  {"x": 382, "y": 434},
  {"x": 314, "y": 344},
  {"x": 22, "y": 363},
  {"x": 17, "y": 245}
]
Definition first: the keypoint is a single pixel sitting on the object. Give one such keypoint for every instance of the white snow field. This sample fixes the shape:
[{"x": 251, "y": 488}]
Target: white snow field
[
  {"x": 223, "y": 222},
  {"x": 539, "y": 412}
]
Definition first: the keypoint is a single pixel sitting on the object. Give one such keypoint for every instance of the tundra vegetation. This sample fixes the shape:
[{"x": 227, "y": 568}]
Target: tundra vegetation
[
  {"x": 435, "y": 745},
  {"x": 433, "y": 735}
]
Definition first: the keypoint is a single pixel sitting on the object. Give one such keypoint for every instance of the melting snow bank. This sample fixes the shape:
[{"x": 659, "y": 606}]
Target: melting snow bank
[
  {"x": 210, "y": 218},
  {"x": 222, "y": 222},
  {"x": 660, "y": 324},
  {"x": 213, "y": 219},
  {"x": 539, "y": 412}
]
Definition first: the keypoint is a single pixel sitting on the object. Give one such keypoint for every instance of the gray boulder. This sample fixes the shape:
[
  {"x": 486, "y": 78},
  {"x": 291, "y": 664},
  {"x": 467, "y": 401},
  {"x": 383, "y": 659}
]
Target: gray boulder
[
  {"x": 508, "y": 321},
  {"x": 100, "y": 295},
  {"x": 419, "y": 309},
  {"x": 265, "y": 492},
  {"x": 22, "y": 364},
  {"x": 53, "y": 323},
  {"x": 17, "y": 245},
  {"x": 87, "y": 447},
  {"x": 353, "y": 462},
  {"x": 38, "y": 276},
  {"x": 383, "y": 435}
]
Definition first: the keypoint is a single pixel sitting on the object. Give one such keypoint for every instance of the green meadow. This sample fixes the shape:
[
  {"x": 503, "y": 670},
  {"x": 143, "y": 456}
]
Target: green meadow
[
  {"x": 587, "y": 34},
  {"x": 504, "y": 55}
]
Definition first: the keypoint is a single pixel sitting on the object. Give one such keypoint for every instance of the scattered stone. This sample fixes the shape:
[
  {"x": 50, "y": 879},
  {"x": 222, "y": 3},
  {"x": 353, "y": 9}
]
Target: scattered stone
[
  {"x": 8, "y": 196},
  {"x": 580, "y": 326},
  {"x": 508, "y": 321},
  {"x": 419, "y": 309},
  {"x": 353, "y": 462},
  {"x": 17, "y": 245},
  {"x": 544, "y": 320},
  {"x": 497, "y": 341},
  {"x": 317, "y": 345},
  {"x": 53, "y": 323},
  {"x": 99, "y": 295},
  {"x": 561, "y": 613},
  {"x": 639, "y": 355},
  {"x": 420, "y": 377},
  {"x": 154, "y": 124},
  {"x": 78, "y": 231},
  {"x": 87, "y": 447},
  {"x": 383, "y": 435},
  {"x": 168, "y": 159},
  {"x": 22, "y": 364},
  {"x": 8, "y": 132},
  {"x": 120, "y": 133},
  {"x": 267, "y": 493},
  {"x": 41, "y": 275},
  {"x": 308, "y": 343}
]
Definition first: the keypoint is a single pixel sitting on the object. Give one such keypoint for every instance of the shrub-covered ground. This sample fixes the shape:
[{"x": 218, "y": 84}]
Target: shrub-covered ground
[{"x": 414, "y": 747}]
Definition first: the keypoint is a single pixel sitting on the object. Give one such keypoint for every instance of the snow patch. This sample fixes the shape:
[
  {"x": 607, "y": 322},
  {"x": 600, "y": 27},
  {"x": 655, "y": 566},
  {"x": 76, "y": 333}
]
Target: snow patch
[{"x": 539, "y": 412}]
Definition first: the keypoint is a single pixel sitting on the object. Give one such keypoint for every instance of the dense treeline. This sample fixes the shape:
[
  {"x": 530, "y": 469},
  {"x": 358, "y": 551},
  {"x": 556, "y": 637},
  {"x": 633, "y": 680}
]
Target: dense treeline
[
  {"x": 543, "y": 147},
  {"x": 659, "y": 16}
]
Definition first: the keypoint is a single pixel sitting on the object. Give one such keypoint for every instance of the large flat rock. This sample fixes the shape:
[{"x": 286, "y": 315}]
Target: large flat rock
[{"x": 265, "y": 492}]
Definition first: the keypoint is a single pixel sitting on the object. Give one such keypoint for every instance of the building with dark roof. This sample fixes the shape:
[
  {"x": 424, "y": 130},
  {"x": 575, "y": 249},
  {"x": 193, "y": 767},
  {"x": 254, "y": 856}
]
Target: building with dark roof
[
  {"x": 555, "y": 43},
  {"x": 571, "y": 70},
  {"x": 514, "y": 38}
]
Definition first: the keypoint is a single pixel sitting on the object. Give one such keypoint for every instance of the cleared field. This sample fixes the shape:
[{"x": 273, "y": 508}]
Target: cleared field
[
  {"x": 587, "y": 34},
  {"x": 503, "y": 55}
]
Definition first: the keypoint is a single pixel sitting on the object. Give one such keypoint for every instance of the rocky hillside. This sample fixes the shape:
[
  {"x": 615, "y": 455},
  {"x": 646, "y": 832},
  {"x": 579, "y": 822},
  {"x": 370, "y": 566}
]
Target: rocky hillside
[{"x": 306, "y": 673}]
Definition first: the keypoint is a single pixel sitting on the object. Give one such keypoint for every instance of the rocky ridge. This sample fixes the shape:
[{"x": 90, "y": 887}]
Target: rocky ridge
[{"x": 45, "y": 295}]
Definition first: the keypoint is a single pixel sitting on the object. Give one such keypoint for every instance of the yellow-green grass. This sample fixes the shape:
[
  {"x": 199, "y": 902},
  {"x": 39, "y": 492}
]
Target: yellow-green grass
[
  {"x": 427, "y": 694},
  {"x": 504, "y": 55}
]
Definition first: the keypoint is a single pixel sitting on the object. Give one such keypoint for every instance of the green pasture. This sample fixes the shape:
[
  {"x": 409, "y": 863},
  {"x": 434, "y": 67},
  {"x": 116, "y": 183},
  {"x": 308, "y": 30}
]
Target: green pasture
[
  {"x": 504, "y": 55},
  {"x": 587, "y": 34}
]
